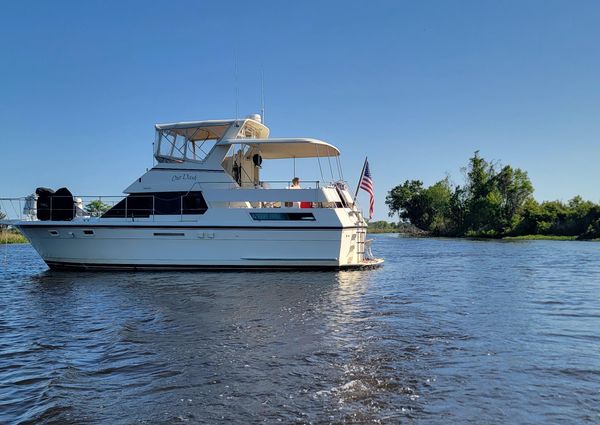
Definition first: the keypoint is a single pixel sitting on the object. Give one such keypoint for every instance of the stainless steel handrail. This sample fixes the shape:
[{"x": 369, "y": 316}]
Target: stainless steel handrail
[{"x": 79, "y": 208}]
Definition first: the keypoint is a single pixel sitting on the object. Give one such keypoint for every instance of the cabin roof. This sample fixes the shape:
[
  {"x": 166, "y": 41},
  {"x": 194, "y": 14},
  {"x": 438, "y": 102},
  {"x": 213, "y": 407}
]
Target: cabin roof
[
  {"x": 287, "y": 148},
  {"x": 194, "y": 124},
  {"x": 209, "y": 129}
]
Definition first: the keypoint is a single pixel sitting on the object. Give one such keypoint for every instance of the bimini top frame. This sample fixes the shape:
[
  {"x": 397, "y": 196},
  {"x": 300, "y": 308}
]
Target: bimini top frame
[
  {"x": 194, "y": 140},
  {"x": 213, "y": 129}
]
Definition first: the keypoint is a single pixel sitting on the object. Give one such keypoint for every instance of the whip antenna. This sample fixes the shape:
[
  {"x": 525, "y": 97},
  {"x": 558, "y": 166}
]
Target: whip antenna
[
  {"x": 237, "y": 87},
  {"x": 262, "y": 95}
]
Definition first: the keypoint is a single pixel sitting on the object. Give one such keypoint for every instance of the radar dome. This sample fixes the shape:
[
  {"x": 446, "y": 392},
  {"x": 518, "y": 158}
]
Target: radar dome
[{"x": 255, "y": 117}]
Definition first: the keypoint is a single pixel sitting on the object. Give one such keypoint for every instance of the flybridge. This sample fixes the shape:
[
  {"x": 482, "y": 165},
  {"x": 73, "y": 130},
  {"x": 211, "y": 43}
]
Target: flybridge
[
  {"x": 195, "y": 141},
  {"x": 229, "y": 154}
]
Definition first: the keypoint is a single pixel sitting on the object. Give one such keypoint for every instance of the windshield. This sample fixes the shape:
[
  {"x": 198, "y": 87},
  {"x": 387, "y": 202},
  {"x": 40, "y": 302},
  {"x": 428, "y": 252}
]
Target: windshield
[{"x": 185, "y": 145}]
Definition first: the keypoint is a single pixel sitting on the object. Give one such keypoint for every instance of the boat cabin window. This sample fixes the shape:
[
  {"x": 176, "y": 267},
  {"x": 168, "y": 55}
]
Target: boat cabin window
[
  {"x": 142, "y": 205},
  {"x": 282, "y": 216},
  {"x": 178, "y": 145}
]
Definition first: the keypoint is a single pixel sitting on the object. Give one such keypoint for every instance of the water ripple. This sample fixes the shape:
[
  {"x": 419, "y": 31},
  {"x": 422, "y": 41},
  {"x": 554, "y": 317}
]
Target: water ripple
[{"x": 449, "y": 331}]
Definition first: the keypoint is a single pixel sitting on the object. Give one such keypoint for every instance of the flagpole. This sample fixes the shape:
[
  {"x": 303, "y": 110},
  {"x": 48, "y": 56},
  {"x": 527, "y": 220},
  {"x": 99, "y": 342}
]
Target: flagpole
[{"x": 359, "y": 180}]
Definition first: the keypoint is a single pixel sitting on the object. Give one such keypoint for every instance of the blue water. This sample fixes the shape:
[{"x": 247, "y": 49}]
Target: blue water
[{"x": 448, "y": 331}]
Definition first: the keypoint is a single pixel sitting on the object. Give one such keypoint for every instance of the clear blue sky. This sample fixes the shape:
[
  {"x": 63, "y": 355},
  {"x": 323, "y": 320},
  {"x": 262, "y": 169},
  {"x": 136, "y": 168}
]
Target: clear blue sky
[{"x": 416, "y": 86}]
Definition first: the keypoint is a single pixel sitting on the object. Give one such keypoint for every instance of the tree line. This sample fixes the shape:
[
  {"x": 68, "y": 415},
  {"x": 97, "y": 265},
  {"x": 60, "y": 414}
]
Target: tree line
[{"x": 494, "y": 201}]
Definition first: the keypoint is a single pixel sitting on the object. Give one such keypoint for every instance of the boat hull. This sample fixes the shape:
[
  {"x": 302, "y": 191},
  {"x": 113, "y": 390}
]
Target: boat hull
[{"x": 165, "y": 247}]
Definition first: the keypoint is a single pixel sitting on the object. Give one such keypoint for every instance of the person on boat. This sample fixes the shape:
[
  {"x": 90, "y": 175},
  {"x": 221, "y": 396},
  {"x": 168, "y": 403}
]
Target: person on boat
[{"x": 296, "y": 185}]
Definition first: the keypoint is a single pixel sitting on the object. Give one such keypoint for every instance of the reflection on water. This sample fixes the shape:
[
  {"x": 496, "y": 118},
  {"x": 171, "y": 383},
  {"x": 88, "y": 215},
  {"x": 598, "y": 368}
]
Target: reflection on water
[{"x": 447, "y": 331}]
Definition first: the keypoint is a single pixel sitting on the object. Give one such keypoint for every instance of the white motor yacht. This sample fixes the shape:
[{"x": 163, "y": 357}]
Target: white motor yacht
[{"x": 203, "y": 205}]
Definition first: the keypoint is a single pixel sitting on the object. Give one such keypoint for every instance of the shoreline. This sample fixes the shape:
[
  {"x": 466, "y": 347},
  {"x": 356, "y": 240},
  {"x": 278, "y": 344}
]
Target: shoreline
[
  {"x": 13, "y": 237},
  {"x": 505, "y": 238},
  {"x": 9, "y": 237}
]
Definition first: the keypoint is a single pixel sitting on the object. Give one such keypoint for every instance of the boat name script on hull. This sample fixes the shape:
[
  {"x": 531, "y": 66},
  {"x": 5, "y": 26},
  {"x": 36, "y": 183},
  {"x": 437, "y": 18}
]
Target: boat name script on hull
[{"x": 185, "y": 176}]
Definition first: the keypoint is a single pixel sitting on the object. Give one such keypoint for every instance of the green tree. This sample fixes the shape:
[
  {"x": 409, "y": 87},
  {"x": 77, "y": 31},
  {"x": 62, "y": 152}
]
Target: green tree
[
  {"x": 577, "y": 217},
  {"x": 405, "y": 201},
  {"x": 96, "y": 208},
  {"x": 593, "y": 230},
  {"x": 482, "y": 198},
  {"x": 2, "y": 217},
  {"x": 457, "y": 211},
  {"x": 490, "y": 203},
  {"x": 436, "y": 201},
  {"x": 580, "y": 216},
  {"x": 529, "y": 218},
  {"x": 425, "y": 208},
  {"x": 515, "y": 190},
  {"x": 494, "y": 201}
]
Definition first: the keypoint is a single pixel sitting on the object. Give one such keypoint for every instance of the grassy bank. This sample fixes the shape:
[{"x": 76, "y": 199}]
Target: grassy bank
[
  {"x": 507, "y": 238},
  {"x": 386, "y": 227},
  {"x": 11, "y": 236},
  {"x": 540, "y": 238},
  {"x": 383, "y": 231}
]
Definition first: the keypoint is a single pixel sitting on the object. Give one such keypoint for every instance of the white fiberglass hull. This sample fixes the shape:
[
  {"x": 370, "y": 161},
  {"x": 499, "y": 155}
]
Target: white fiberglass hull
[{"x": 160, "y": 246}]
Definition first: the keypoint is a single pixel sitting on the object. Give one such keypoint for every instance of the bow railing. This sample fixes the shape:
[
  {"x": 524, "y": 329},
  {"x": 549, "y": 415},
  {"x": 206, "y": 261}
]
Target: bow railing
[{"x": 182, "y": 204}]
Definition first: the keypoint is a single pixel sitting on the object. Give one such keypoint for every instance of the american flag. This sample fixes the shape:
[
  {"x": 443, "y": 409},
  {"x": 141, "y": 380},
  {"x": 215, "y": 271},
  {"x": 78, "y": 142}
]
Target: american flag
[{"x": 367, "y": 184}]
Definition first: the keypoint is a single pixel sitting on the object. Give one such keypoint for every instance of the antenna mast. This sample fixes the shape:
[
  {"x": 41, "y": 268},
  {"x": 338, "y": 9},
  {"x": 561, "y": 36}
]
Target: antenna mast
[
  {"x": 262, "y": 95},
  {"x": 237, "y": 87}
]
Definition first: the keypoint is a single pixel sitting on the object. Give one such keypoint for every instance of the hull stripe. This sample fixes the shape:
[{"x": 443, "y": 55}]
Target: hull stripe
[{"x": 59, "y": 265}]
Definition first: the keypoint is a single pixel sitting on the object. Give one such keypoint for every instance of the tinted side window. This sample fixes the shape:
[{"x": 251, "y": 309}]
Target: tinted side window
[
  {"x": 117, "y": 211},
  {"x": 282, "y": 216},
  {"x": 139, "y": 205},
  {"x": 194, "y": 203},
  {"x": 167, "y": 203},
  {"x": 164, "y": 203},
  {"x": 136, "y": 205}
]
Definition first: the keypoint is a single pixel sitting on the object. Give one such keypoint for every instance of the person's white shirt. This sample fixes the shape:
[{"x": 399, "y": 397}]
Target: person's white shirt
[{"x": 294, "y": 186}]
